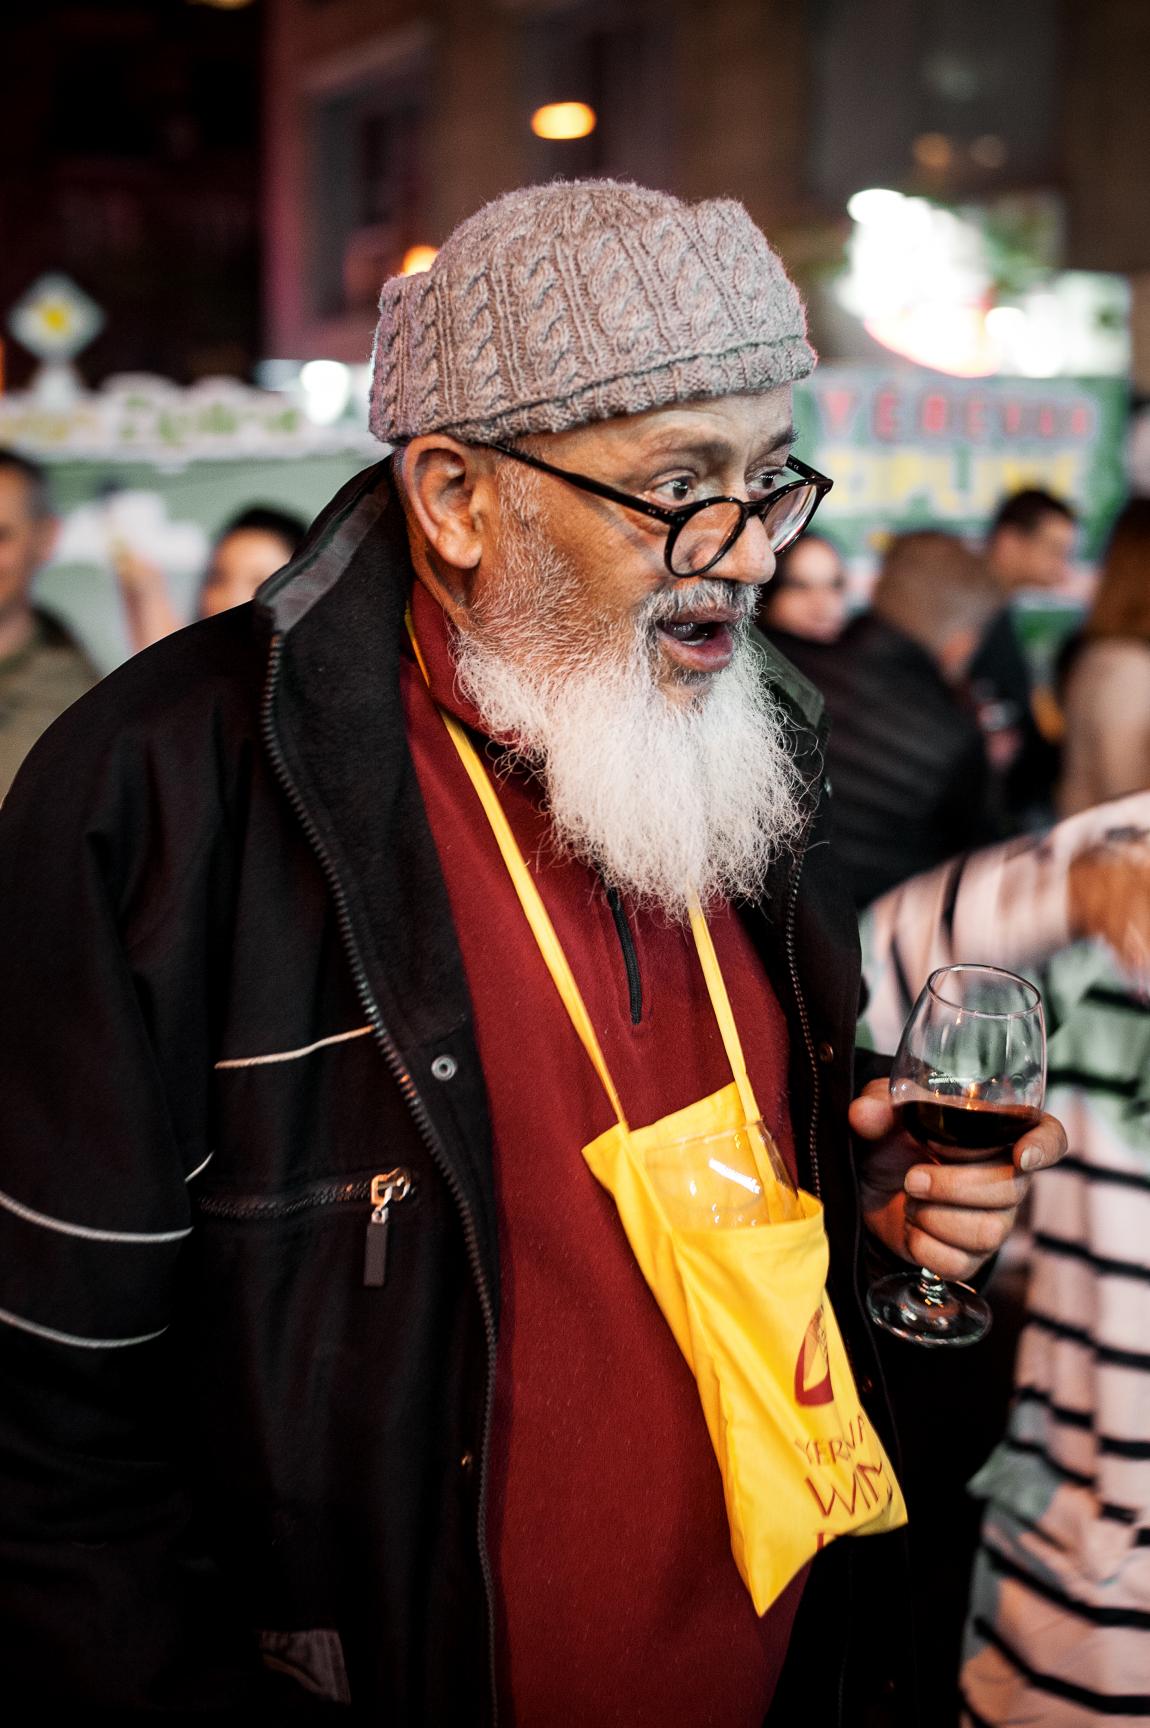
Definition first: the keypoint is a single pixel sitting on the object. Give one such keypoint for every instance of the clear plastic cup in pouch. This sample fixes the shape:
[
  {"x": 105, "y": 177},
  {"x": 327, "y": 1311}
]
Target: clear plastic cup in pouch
[{"x": 731, "y": 1180}]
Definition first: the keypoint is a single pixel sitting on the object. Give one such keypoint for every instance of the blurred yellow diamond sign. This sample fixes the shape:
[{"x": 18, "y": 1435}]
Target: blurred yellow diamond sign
[{"x": 55, "y": 319}]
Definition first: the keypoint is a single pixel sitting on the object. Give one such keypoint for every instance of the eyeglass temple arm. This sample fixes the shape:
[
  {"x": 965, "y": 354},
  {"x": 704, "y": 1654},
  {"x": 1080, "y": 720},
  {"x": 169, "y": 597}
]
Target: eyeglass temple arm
[
  {"x": 671, "y": 518},
  {"x": 811, "y": 474},
  {"x": 585, "y": 484}
]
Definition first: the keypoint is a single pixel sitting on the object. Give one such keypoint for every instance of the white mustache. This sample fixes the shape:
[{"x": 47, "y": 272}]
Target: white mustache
[{"x": 699, "y": 600}]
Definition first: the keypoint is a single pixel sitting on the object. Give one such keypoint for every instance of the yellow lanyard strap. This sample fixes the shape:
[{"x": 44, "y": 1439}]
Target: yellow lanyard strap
[
  {"x": 724, "y": 1014},
  {"x": 551, "y": 948}
]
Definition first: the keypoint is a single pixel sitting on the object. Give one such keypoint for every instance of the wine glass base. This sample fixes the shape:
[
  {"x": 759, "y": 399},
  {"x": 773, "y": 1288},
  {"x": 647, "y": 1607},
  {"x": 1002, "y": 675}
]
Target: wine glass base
[{"x": 928, "y": 1311}]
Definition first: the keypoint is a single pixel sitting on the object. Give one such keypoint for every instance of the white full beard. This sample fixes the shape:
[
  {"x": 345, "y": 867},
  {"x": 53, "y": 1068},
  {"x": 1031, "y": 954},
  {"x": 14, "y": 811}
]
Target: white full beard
[{"x": 662, "y": 797}]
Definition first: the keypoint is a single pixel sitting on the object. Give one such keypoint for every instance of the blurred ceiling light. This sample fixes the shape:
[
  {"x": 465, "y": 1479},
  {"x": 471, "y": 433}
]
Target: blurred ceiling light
[
  {"x": 989, "y": 151},
  {"x": 1036, "y": 340},
  {"x": 921, "y": 279},
  {"x": 563, "y": 120},
  {"x": 1006, "y": 324},
  {"x": 917, "y": 279},
  {"x": 875, "y": 206},
  {"x": 417, "y": 259},
  {"x": 326, "y": 386},
  {"x": 933, "y": 150},
  {"x": 222, "y": 5}
]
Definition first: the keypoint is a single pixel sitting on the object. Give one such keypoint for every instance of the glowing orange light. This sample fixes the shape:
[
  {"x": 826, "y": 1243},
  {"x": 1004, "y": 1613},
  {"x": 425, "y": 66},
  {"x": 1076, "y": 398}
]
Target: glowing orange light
[
  {"x": 417, "y": 258},
  {"x": 563, "y": 120},
  {"x": 933, "y": 150}
]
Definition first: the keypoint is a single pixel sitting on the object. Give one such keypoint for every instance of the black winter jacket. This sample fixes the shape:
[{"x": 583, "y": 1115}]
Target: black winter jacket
[
  {"x": 907, "y": 764},
  {"x": 229, "y": 1463}
]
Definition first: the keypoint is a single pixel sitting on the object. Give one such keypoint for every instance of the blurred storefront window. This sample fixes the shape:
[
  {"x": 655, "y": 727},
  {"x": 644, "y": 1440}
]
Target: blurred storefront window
[
  {"x": 368, "y": 168},
  {"x": 955, "y": 109}
]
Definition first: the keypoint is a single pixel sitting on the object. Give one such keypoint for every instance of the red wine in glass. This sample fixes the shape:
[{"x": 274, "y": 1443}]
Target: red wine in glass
[
  {"x": 966, "y": 1130},
  {"x": 967, "y": 1083}
]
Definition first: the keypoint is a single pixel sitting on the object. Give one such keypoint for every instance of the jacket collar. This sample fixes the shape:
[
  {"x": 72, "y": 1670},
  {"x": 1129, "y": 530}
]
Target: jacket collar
[
  {"x": 334, "y": 723},
  {"x": 804, "y": 700},
  {"x": 335, "y": 712}
]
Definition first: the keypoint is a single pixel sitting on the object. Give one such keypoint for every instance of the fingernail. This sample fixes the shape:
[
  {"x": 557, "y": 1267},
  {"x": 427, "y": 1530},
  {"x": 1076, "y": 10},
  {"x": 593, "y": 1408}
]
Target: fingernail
[
  {"x": 917, "y": 1182},
  {"x": 1029, "y": 1159}
]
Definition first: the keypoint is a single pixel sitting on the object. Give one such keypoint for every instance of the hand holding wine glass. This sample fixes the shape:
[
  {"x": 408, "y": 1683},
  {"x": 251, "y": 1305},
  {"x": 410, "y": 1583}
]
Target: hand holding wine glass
[{"x": 967, "y": 1084}]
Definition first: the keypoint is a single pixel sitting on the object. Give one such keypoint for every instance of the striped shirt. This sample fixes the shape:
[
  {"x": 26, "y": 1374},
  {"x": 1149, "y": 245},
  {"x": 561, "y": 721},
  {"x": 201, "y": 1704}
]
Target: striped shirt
[{"x": 1059, "y": 1623}]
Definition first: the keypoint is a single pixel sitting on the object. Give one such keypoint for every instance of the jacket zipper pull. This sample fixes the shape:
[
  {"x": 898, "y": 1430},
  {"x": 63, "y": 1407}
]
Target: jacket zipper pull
[{"x": 386, "y": 1191}]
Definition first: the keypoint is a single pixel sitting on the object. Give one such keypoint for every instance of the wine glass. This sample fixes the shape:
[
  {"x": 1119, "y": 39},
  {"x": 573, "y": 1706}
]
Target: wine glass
[
  {"x": 968, "y": 1080},
  {"x": 732, "y": 1179}
]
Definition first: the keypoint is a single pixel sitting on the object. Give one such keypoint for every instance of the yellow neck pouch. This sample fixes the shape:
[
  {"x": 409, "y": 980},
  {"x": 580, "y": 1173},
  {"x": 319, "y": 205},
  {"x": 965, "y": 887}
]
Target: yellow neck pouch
[{"x": 737, "y": 1261}]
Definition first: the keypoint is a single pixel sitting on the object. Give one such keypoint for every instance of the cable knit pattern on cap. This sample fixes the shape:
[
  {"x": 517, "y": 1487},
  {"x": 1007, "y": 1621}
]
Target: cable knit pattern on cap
[{"x": 578, "y": 301}]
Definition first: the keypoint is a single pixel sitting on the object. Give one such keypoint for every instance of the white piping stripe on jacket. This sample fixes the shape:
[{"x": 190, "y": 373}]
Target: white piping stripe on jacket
[
  {"x": 84, "y": 1230},
  {"x": 293, "y": 1055},
  {"x": 71, "y": 1338},
  {"x": 200, "y": 1167}
]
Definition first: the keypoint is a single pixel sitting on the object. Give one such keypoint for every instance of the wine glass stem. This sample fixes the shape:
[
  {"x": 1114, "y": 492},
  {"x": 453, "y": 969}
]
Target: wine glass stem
[{"x": 933, "y": 1290}]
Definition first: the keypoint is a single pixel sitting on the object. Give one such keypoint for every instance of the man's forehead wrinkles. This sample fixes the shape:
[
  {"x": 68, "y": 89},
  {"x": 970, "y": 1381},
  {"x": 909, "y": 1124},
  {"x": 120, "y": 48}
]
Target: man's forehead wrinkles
[
  {"x": 712, "y": 447},
  {"x": 682, "y": 441}
]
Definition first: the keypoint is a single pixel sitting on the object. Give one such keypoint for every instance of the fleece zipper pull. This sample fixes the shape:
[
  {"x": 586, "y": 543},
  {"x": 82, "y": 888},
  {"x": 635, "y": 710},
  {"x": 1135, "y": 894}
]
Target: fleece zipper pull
[{"x": 386, "y": 1191}]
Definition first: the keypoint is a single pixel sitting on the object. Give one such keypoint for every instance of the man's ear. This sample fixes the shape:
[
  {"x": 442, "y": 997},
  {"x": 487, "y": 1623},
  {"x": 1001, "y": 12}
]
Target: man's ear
[{"x": 449, "y": 495}]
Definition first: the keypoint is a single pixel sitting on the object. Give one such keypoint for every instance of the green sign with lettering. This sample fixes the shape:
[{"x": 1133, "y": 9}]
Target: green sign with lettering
[{"x": 912, "y": 449}]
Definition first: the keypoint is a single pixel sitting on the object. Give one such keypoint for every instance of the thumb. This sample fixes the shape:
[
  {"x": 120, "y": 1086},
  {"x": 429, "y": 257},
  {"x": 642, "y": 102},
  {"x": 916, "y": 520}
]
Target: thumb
[{"x": 872, "y": 1115}]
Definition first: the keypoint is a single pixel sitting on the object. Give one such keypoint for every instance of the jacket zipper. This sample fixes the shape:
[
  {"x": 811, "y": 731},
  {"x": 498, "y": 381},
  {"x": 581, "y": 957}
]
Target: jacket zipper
[
  {"x": 386, "y": 1191},
  {"x": 383, "y": 1191},
  {"x": 805, "y": 1023},
  {"x": 423, "y": 1123},
  {"x": 813, "y": 1153},
  {"x": 630, "y": 958}
]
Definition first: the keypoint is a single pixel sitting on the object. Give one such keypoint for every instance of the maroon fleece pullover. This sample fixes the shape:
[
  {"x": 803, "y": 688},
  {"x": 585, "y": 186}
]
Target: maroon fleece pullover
[{"x": 618, "y": 1600}]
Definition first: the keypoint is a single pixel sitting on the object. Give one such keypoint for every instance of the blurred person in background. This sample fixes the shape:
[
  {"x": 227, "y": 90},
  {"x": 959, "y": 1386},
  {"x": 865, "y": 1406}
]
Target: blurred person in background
[
  {"x": 1028, "y": 548},
  {"x": 1106, "y": 751},
  {"x": 805, "y": 603},
  {"x": 42, "y": 669},
  {"x": 252, "y": 547},
  {"x": 910, "y": 782},
  {"x": 1059, "y": 1610}
]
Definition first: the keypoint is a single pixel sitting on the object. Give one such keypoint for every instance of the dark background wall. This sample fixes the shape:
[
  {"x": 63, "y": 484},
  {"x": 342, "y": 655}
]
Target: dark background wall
[
  {"x": 129, "y": 135},
  {"x": 231, "y": 183}
]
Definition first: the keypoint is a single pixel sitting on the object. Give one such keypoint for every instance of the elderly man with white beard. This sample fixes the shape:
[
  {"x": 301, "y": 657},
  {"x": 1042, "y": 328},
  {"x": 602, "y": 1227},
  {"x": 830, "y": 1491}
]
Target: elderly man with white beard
[{"x": 387, "y": 927}]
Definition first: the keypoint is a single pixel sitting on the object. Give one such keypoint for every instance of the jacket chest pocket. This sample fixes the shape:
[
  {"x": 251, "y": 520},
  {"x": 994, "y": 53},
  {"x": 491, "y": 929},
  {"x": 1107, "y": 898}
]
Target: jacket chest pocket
[{"x": 377, "y": 1197}]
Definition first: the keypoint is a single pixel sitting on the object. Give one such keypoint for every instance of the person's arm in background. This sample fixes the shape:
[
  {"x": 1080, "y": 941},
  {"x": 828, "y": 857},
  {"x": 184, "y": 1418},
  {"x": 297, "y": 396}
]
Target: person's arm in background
[
  {"x": 148, "y": 610},
  {"x": 1122, "y": 729},
  {"x": 1011, "y": 905}
]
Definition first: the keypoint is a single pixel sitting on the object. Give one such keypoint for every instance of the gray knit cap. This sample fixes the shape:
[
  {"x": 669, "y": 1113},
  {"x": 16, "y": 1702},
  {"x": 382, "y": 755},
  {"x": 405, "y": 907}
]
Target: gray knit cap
[{"x": 578, "y": 301}]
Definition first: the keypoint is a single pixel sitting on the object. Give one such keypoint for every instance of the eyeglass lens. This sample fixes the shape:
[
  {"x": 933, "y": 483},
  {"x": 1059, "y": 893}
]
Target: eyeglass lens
[{"x": 706, "y": 535}]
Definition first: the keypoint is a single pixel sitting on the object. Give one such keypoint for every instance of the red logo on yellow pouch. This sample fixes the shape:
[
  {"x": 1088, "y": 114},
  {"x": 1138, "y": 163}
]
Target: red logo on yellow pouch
[{"x": 813, "y": 1368}]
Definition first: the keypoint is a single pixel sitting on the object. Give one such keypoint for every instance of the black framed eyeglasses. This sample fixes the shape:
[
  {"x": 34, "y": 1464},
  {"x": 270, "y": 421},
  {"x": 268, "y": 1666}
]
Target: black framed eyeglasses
[{"x": 699, "y": 534}]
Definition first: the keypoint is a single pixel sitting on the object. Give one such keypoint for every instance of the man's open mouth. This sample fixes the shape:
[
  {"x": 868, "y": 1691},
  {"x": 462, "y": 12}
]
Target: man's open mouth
[
  {"x": 702, "y": 642},
  {"x": 693, "y": 629}
]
